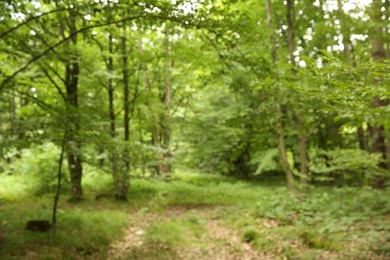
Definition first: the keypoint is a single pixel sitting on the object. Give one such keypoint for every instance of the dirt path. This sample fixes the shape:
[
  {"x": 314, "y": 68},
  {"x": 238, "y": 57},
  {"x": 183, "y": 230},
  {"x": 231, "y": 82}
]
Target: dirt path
[{"x": 218, "y": 242}]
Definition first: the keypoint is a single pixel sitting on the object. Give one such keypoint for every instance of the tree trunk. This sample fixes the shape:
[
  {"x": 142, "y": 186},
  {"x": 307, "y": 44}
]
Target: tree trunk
[
  {"x": 303, "y": 159},
  {"x": 279, "y": 113},
  {"x": 378, "y": 54},
  {"x": 165, "y": 164},
  {"x": 74, "y": 143},
  {"x": 302, "y": 136},
  {"x": 126, "y": 122},
  {"x": 271, "y": 29},
  {"x": 282, "y": 151},
  {"x": 363, "y": 141},
  {"x": 58, "y": 190},
  {"x": 111, "y": 115},
  {"x": 290, "y": 32},
  {"x": 154, "y": 129}
]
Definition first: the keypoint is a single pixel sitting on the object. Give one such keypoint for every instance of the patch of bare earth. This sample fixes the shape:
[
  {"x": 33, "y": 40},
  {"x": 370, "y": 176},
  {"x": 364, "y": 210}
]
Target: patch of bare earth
[
  {"x": 133, "y": 237},
  {"x": 219, "y": 242},
  {"x": 225, "y": 244}
]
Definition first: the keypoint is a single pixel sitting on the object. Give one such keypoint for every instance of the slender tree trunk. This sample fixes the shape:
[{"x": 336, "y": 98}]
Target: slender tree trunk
[
  {"x": 165, "y": 164},
  {"x": 303, "y": 159},
  {"x": 283, "y": 152},
  {"x": 279, "y": 112},
  {"x": 290, "y": 32},
  {"x": 126, "y": 121},
  {"x": 58, "y": 191},
  {"x": 74, "y": 143},
  {"x": 154, "y": 129},
  {"x": 302, "y": 136},
  {"x": 111, "y": 114},
  {"x": 363, "y": 141},
  {"x": 378, "y": 54},
  {"x": 271, "y": 29}
]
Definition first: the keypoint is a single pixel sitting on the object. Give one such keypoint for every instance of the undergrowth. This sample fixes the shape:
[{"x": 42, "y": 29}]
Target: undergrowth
[{"x": 340, "y": 223}]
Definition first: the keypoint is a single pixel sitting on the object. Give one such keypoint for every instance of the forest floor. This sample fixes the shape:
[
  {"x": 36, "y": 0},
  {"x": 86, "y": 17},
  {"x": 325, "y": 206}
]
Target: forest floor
[
  {"x": 215, "y": 241},
  {"x": 200, "y": 217}
]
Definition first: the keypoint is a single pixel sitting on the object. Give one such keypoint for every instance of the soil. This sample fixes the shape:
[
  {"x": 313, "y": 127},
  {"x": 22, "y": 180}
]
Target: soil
[{"x": 219, "y": 242}]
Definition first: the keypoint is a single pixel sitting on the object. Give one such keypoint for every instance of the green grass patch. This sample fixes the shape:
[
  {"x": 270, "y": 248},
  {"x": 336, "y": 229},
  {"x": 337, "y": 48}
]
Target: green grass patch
[
  {"x": 343, "y": 223},
  {"x": 80, "y": 230},
  {"x": 12, "y": 188},
  {"x": 173, "y": 232}
]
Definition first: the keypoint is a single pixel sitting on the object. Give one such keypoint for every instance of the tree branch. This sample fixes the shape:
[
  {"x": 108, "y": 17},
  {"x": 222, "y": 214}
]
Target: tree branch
[
  {"x": 51, "y": 48},
  {"x": 54, "y": 83},
  {"x": 3, "y": 34}
]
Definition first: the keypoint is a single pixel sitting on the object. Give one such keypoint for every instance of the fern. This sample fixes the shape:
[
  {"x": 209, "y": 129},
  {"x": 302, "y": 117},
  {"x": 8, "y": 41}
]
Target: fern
[{"x": 266, "y": 161}]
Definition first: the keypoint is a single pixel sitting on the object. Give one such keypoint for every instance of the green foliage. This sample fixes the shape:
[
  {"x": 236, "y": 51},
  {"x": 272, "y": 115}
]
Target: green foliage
[
  {"x": 249, "y": 236},
  {"x": 37, "y": 168},
  {"x": 12, "y": 188},
  {"x": 82, "y": 231},
  {"x": 345, "y": 163},
  {"x": 322, "y": 218},
  {"x": 89, "y": 228},
  {"x": 266, "y": 161},
  {"x": 326, "y": 221},
  {"x": 95, "y": 179}
]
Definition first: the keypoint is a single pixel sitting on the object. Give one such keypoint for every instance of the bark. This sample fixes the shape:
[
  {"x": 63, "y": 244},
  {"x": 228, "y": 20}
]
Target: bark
[
  {"x": 270, "y": 27},
  {"x": 73, "y": 147},
  {"x": 165, "y": 165},
  {"x": 282, "y": 151},
  {"x": 302, "y": 136},
  {"x": 111, "y": 114},
  {"x": 126, "y": 121},
  {"x": 58, "y": 191},
  {"x": 290, "y": 31},
  {"x": 279, "y": 112},
  {"x": 303, "y": 159},
  {"x": 378, "y": 54},
  {"x": 363, "y": 140}
]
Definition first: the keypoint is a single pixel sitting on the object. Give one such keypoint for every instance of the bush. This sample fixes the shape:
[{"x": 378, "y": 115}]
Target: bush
[
  {"x": 38, "y": 167},
  {"x": 345, "y": 164}
]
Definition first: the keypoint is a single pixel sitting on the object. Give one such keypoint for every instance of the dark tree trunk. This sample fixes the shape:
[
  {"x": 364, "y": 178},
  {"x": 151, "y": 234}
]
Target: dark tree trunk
[
  {"x": 74, "y": 143},
  {"x": 363, "y": 140},
  {"x": 111, "y": 115},
  {"x": 124, "y": 185}
]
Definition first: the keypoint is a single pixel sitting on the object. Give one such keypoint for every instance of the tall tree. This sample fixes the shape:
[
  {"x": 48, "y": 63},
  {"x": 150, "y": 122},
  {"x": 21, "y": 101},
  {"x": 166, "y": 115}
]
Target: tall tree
[
  {"x": 121, "y": 191},
  {"x": 165, "y": 164},
  {"x": 279, "y": 111},
  {"x": 72, "y": 73}
]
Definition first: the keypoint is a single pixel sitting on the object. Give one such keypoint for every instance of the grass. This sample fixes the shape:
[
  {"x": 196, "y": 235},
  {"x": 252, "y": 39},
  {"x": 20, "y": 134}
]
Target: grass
[
  {"x": 173, "y": 231},
  {"x": 343, "y": 223},
  {"x": 80, "y": 230}
]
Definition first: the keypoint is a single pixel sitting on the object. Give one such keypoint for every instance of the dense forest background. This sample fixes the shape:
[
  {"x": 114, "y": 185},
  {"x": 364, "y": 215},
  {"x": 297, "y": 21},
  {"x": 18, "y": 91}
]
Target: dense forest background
[{"x": 262, "y": 91}]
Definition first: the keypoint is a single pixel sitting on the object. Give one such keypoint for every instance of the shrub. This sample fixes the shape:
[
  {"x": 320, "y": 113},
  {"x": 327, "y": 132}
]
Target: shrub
[{"x": 38, "y": 168}]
